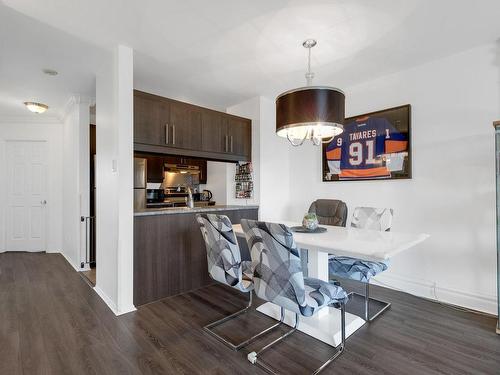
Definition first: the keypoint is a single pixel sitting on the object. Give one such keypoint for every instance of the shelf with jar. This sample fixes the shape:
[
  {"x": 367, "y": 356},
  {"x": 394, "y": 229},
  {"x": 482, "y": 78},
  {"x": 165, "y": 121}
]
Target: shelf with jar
[{"x": 244, "y": 180}]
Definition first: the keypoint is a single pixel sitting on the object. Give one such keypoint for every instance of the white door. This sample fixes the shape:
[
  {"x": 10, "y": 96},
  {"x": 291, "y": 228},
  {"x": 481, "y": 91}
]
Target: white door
[{"x": 26, "y": 195}]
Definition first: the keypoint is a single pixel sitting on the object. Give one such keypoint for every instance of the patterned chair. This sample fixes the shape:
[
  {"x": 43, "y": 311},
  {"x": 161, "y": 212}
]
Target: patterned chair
[
  {"x": 361, "y": 270},
  {"x": 278, "y": 278},
  {"x": 225, "y": 266}
]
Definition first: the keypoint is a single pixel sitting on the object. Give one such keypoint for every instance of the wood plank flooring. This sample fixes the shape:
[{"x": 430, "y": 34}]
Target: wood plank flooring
[{"x": 52, "y": 322}]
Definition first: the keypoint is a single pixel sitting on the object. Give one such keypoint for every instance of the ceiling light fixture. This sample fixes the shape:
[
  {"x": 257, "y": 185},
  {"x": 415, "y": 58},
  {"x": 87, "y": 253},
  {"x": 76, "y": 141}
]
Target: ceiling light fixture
[
  {"x": 311, "y": 112},
  {"x": 36, "y": 107}
]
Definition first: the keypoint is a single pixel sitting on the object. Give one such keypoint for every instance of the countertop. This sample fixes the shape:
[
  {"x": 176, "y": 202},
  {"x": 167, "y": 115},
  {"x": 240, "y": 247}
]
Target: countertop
[{"x": 186, "y": 210}]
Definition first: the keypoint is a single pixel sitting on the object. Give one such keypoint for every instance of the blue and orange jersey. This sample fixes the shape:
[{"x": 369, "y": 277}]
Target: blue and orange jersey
[{"x": 362, "y": 146}]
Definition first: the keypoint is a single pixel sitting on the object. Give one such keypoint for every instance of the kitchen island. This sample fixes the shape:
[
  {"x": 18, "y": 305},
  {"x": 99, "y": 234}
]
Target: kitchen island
[{"x": 169, "y": 252}]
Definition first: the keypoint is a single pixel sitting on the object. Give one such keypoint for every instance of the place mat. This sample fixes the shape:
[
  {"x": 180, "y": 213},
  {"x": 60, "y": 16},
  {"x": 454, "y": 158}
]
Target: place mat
[{"x": 301, "y": 229}]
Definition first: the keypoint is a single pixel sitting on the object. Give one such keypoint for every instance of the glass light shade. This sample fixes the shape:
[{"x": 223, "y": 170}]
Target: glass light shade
[
  {"x": 36, "y": 107},
  {"x": 312, "y": 112}
]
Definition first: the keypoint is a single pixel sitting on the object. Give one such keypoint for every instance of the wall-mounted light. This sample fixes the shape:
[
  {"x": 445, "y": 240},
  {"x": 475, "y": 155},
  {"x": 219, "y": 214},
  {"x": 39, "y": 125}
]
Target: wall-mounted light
[{"x": 36, "y": 107}]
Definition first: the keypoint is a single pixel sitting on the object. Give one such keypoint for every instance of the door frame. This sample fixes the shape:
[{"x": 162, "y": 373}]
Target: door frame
[{"x": 4, "y": 191}]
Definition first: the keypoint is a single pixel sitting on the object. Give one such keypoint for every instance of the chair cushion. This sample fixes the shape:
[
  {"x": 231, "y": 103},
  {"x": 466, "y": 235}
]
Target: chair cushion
[
  {"x": 355, "y": 269},
  {"x": 321, "y": 293}
]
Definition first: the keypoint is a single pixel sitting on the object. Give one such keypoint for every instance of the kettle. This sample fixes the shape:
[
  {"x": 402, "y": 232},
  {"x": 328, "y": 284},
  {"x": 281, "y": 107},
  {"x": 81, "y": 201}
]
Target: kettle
[{"x": 206, "y": 195}]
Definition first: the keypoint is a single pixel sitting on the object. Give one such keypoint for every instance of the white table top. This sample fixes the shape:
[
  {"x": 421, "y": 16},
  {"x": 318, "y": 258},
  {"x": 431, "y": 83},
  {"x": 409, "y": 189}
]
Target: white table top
[{"x": 359, "y": 243}]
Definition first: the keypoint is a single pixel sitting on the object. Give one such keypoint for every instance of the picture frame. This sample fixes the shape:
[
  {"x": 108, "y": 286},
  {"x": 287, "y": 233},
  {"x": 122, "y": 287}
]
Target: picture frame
[{"x": 374, "y": 146}]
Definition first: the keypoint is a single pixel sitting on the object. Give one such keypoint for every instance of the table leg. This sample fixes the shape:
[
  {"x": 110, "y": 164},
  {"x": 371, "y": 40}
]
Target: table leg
[{"x": 318, "y": 265}]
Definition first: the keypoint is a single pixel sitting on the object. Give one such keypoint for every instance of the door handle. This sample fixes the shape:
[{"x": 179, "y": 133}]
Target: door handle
[
  {"x": 173, "y": 134},
  {"x": 166, "y": 134},
  {"x": 225, "y": 143},
  {"x": 43, "y": 203},
  {"x": 231, "y": 143}
]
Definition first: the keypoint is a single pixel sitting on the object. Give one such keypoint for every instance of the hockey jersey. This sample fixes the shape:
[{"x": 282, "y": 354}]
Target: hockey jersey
[{"x": 360, "y": 151}]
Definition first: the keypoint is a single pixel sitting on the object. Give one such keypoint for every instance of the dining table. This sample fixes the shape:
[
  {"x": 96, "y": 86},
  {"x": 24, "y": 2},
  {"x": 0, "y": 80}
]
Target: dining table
[{"x": 363, "y": 244}]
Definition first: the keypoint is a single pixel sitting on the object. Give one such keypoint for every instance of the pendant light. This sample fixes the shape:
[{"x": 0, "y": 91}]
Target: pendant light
[{"x": 315, "y": 113}]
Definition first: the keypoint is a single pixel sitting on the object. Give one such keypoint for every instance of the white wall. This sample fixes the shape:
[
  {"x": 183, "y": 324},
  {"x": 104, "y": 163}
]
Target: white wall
[
  {"x": 114, "y": 180},
  {"x": 452, "y": 194},
  {"x": 75, "y": 179},
  {"x": 41, "y": 130},
  {"x": 249, "y": 109},
  {"x": 275, "y": 167},
  {"x": 216, "y": 181}
]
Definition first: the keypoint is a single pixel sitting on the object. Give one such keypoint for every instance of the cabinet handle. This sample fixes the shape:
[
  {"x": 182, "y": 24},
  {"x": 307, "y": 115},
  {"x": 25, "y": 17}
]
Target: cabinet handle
[
  {"x": 166, "y": 134},
  {"x": 173, "y": 134},
  {"x": 231, "y": 143},
  {"x": 225, "y": 143}
]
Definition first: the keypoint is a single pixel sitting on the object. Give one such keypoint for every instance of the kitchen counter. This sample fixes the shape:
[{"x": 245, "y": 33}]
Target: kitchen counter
[
  {"x": 186, "y": 210},
  {"x": 170, "y": 256}
]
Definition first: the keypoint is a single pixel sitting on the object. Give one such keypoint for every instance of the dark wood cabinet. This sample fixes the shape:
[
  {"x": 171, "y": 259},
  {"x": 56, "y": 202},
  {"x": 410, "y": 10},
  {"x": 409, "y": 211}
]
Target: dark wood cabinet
[
  {"x": 170, "y": 256},
  {"x": 185, "y": 126},
  {"x": 212, "y": 132},
  {"x": 147, "y": 126},
  {"x": 156, "y": 165},
  {"x": 155, "y": 168},
  {"x": 238, "y": 135},
  {"x": 166, "y": 126}
]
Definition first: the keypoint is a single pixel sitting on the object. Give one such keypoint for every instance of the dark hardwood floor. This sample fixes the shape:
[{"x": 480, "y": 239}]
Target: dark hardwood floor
[{"x": 52, "y": 322}]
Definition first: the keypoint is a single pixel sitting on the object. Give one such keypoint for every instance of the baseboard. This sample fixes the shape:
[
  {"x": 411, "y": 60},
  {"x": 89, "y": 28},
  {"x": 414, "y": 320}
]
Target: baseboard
[
  {"x": 111, "y": 304},
  {"x": 428, "y": 289},
  {"x": 77, "y": 269},
  {"x": 108, "y": 301}
]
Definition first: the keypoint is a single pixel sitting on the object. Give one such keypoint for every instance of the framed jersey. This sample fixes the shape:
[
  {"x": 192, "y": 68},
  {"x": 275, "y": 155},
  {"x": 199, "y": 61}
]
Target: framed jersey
[{"x": 373, "y": 146}]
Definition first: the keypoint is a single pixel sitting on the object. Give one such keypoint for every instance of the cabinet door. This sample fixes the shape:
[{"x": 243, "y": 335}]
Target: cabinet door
[
  {"x": 239, "y": 135},
  {"x": 147, "y": 127},
  {"x": 155, "y": 169},
  {"x": 212, "y": 133},
  {"x": 185, "y": 126}
]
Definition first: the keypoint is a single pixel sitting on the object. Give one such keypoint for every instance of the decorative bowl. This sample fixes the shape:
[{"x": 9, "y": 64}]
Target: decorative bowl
[{"x": 310, "y": 221}]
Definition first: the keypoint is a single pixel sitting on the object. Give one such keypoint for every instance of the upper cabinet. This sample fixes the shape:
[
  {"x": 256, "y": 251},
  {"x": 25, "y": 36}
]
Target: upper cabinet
[
  {"x": 147, "y": 126},
  {"x": 168, "y": 126},
  {"x": 185, "y": 126},
  {"x": 238, "y": 133}
]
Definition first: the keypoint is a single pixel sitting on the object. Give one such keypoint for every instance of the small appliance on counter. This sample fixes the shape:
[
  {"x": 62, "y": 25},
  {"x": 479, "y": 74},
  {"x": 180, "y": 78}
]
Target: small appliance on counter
[{"x": 206, "y": 195}]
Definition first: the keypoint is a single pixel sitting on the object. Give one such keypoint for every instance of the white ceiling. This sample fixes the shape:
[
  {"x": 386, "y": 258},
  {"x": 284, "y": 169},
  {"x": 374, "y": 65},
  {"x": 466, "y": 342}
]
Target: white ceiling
[{"x": 220, "y": 52}]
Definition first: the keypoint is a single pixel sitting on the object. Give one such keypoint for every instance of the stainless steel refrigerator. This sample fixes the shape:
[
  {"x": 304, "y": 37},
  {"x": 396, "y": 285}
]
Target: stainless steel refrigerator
[{"x": 140, "y": 173}]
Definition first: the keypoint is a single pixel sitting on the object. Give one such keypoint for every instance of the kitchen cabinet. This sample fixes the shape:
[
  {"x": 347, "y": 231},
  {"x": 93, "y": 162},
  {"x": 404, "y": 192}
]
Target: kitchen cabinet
[
  {"x": 185, "y": 126},
  {"x": 212, "y": 132},
  {"x": 154, "y": 168},
  {"x": 170, "y": 256},
  {"x": 238, "y": 133},
  {"x": 147, "y": 126},
  {"x": 156, "y": 165},
  {"x": 166, "y": 126}
]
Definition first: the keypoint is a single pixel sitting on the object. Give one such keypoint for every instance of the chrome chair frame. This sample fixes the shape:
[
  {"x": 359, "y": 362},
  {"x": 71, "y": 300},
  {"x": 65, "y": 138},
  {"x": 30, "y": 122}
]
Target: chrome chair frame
[
  {"x": 367, "y": 299},
  {"x": 254, "y": 358},
  {"x": 208, "y": 328}
]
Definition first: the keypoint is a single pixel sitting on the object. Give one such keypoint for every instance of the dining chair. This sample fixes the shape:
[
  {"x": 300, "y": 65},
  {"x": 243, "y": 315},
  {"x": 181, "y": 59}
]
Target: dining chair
[
  {"x": 328, "y": 212},
  {"x": 278, "y": 278},
  {"x": 226, "y": 267},
  {"x": 379, "y": 219}
]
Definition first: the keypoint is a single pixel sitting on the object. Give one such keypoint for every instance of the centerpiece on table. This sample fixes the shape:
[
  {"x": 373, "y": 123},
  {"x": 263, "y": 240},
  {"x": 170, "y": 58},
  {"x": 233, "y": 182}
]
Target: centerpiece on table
[{"x": 309, "y": 224}]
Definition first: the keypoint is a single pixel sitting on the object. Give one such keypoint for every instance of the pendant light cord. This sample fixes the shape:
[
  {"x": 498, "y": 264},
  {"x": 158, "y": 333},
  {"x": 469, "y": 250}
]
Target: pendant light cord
[{"x": 309, "y": 74}]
